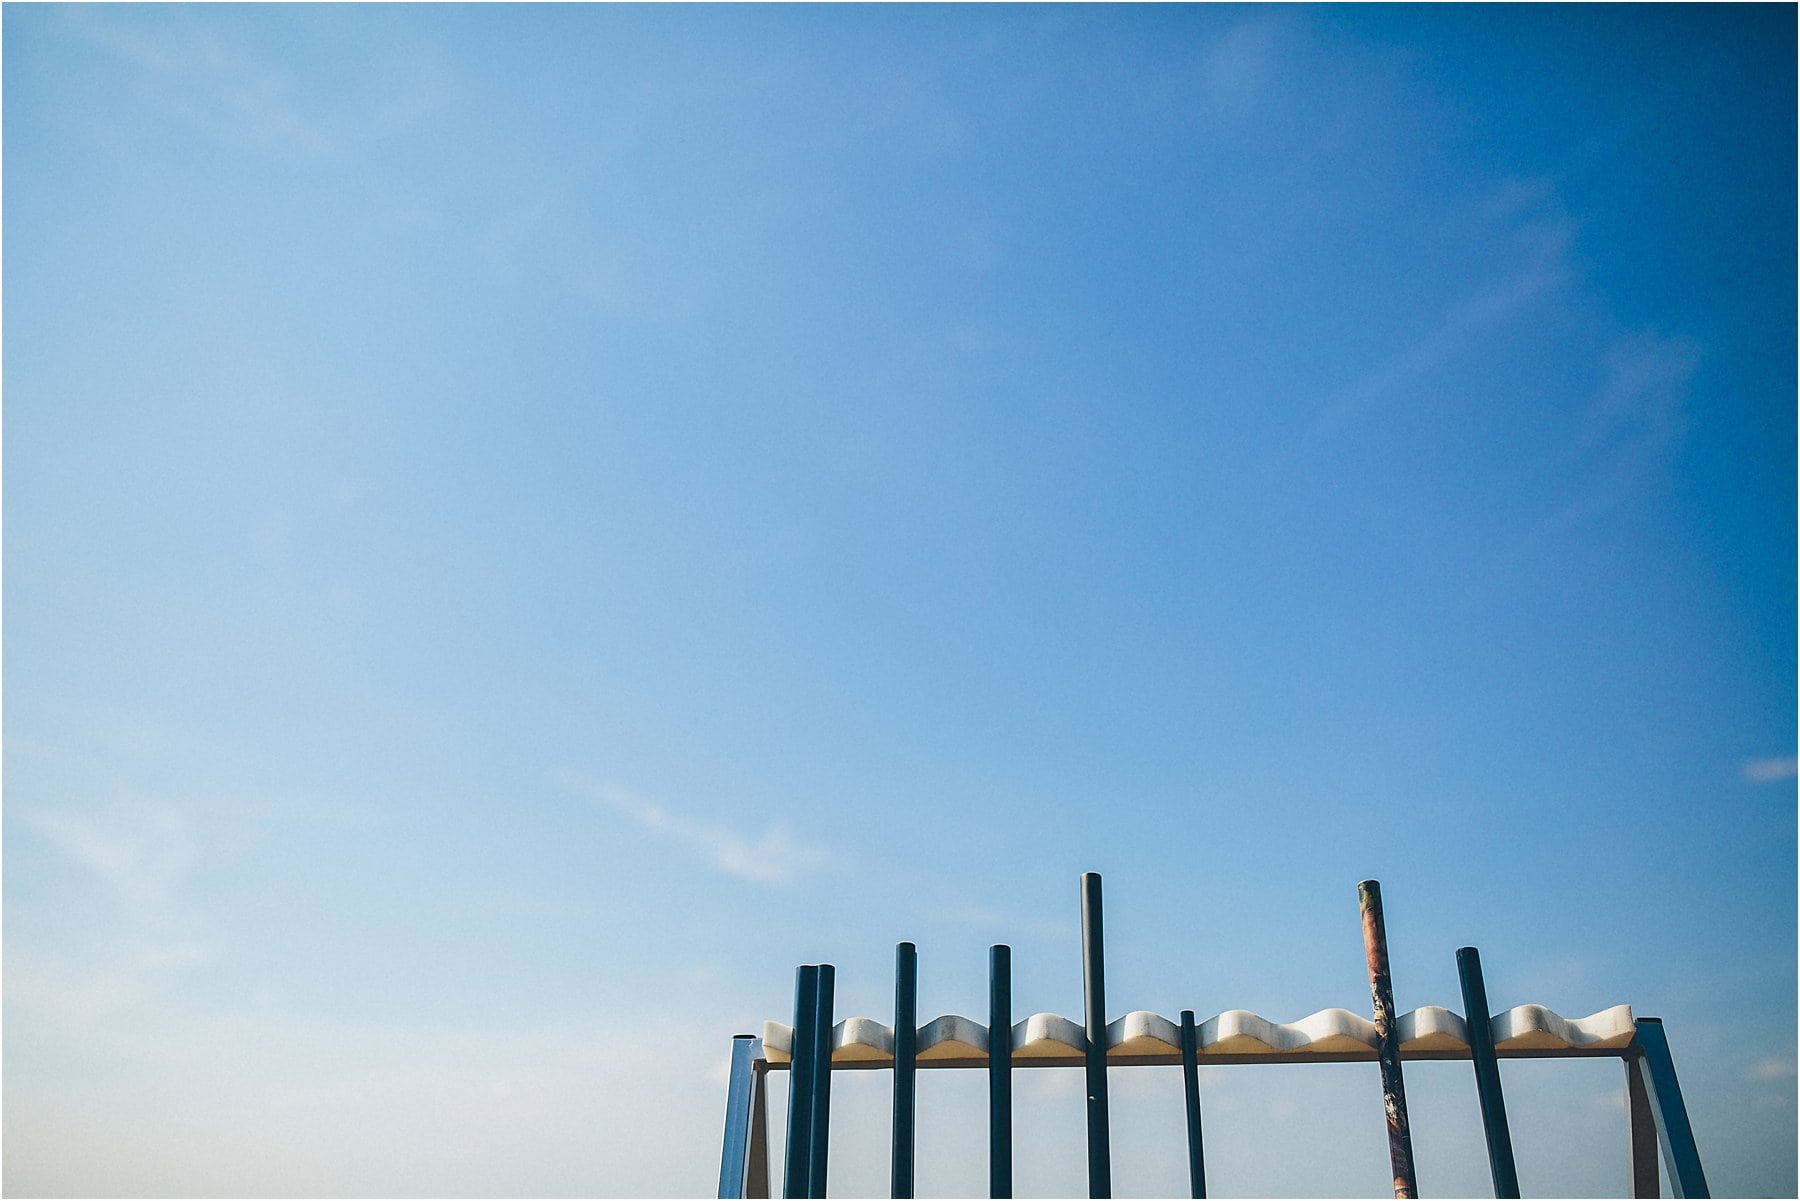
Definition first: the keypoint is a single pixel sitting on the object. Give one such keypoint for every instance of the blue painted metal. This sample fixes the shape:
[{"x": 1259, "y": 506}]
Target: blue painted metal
[
  {"x": 1190, "y": 1075},
  {"x": 821, "y": 1098},
  {"x": 797, "y": 1181},
  {"x": 1000, "y": 1181},
  {"x": 1641, "y": 1139},
  {"x": 734, "y": 1160},
  {"x": 1657, "y": 1072},
  {"x": 1487, "y": 1073},
  {"x": 906, "y": 1047},
  {"x": 1093, "y": 977}
]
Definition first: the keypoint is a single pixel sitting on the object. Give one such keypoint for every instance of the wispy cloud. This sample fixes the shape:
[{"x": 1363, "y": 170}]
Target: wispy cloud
[
  {"x": 216, "y": 86},
  {"x": 237, "y": 93},
  {"x": 1633, "y": 423},
  {"x": 1537, "y": 251},
  {"x": 141, "y": 852},
  {"x": 1772, "y": 1068},
  {"x": 1766, "y": 771},
  {"x": 773, "y": 856}
]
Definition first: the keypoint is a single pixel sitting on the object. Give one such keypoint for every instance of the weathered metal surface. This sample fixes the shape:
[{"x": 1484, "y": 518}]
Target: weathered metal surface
[
  {"x": 1093, "y": 975},
  {"x": 1487, "y": 1074},
  {"x": 1381, "y": 996}
]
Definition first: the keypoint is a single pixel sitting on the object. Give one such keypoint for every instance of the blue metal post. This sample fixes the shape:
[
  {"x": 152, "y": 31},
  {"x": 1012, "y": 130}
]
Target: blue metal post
[
  {"x": 1487, "y": 1073},
  {"x": 1190, "y": 1074},
  {"x": 734, "y": 1160},
  {"x": 906, "y": 1046},
  {"x": 1093, "y": 975},
  {"x": 798, "y": 1178},
  {"x": 821, "y": 1098},
  {"x": 1657, "y": 1071},
  {"x": 1000, "y": 1182}
]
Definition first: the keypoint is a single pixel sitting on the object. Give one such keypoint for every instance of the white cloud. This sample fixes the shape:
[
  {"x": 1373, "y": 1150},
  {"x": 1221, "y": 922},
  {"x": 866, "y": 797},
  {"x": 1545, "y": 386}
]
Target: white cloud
[
  {"x": 1537, "y": 266},
  {"x": 772, "y": 857},
  {"x": 215, "y": 86},
  {"x": 141, "y": 851},
  {"x": 1770, "y": 770},
  {"x": 1772, "y": 1068}
]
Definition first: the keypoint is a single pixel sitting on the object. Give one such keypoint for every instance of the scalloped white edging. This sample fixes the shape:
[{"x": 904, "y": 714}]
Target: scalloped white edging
[{"x": 1141, "y": 1034}]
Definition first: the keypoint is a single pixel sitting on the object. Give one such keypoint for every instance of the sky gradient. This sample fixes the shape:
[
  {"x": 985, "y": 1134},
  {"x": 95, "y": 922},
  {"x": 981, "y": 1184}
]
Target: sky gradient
[{"x": 524, "y": 524}]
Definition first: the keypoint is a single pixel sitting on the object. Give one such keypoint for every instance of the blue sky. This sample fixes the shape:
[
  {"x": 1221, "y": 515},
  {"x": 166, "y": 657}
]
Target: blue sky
[{"x": 522, "y": 525}]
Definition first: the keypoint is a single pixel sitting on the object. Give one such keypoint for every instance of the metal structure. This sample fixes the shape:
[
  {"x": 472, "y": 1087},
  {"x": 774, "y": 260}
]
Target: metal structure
[{"x": 814, "y": 1047}]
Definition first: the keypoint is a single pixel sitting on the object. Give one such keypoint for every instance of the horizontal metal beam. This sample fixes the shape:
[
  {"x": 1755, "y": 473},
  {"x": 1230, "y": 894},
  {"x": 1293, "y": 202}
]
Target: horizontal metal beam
[{"x": 1173, "y": 1058}]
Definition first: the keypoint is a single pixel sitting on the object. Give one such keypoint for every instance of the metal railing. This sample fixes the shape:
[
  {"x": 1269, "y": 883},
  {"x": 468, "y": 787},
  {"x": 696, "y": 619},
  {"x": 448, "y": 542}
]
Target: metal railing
[{"x": 1657, "y": 1116}]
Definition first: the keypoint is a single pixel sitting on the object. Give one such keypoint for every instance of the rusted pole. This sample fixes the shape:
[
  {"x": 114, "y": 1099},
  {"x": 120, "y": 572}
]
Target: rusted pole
[{"x": 1387, "y": 1036}]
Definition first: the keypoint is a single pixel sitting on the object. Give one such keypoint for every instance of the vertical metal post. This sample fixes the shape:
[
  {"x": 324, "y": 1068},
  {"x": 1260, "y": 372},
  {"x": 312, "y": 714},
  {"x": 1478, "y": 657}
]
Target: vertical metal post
[
  {"x": 1190, "y": 1074},
  {"x": 821, "y": 1098},
  {"x": 756, "y": 1179},
  {"x": 1487, "y": 1073},
  {"x": 1000, "y": 1182},
  {"x": 1387, "y": 1034},
  {"x": 906, "y": 1046},
  {"x": 798, "y": 1177},
  {"x": 1640, "y": 1130},
  {"x": 734, "y": 1159},
  {"x": 1093, "y": 975},
  {"x": 1657, "y": 1071}
]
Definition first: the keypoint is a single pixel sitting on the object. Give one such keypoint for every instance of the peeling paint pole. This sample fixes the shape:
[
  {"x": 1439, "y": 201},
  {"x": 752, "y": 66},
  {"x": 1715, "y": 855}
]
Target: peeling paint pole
[{"x": 1387, "y": 1036}]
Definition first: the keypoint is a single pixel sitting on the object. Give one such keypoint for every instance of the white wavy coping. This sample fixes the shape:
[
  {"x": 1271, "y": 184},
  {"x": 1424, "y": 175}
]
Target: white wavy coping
[{"x": 1235, "y": 1032}]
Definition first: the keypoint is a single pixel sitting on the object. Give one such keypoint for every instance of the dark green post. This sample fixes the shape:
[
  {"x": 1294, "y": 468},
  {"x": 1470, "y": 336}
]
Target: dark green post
[
  {"x": 906, "y": 1048},
  {"x": 1093, "y": 974},
  {"x": 821, "y": 1089},
  {"x": 1190, "y": 1074},
  {"x": 797, "y": 1180},
  {"x": 1487, "y": 1073},
  {"x": 1000, "y": 1183}
]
